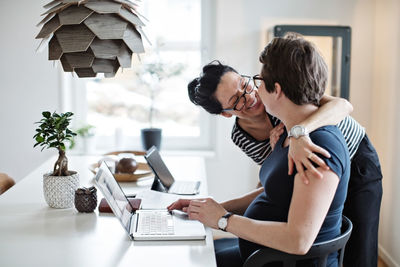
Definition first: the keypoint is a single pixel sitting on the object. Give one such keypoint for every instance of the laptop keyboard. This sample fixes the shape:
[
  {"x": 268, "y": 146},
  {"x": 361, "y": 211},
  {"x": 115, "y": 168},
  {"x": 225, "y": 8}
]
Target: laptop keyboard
[
  {"x": 155, "y": 223},
  {"x": 184, "y": 188}
]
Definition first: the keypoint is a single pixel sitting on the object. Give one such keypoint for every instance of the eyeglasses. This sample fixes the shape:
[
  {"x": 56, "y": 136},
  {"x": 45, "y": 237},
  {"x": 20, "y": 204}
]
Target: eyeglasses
[
  {"x": 257, "y": 79},
  {"x": 239, "y": 103}
]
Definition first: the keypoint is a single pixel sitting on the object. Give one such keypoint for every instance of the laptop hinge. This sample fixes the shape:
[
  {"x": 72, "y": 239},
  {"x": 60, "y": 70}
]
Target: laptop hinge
[{"x": 158, "y": 186}]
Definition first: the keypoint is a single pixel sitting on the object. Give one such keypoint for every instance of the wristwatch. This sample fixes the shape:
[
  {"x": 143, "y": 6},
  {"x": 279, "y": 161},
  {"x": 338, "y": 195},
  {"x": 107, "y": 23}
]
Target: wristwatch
[
  {"x": 223, "y": 221},
  {"x": 297, "y": 131}
]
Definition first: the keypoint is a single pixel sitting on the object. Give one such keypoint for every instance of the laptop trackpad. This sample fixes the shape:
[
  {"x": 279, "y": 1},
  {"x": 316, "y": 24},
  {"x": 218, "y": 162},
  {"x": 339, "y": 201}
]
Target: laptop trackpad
[{"x": 185, "y": 227}]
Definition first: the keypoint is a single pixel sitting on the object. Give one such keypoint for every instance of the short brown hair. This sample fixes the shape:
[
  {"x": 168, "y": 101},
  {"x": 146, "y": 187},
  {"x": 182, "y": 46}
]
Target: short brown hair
[{"x": 297, "y": 66}]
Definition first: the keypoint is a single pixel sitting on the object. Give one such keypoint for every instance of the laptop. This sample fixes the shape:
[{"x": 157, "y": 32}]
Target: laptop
[
  {"x": 164, "y": 181},
  {"x": 146, "y": 224}
]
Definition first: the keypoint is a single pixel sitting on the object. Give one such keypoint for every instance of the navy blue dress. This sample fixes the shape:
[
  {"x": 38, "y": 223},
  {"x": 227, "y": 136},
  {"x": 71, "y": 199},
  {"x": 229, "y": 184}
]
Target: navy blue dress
[{"x": 273, "y": 204}]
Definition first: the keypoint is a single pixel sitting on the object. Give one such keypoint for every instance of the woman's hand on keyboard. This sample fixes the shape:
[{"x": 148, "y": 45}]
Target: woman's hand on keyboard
[
  {"x": 180, "y": 204},
  {"x": 206, "y": 210}
]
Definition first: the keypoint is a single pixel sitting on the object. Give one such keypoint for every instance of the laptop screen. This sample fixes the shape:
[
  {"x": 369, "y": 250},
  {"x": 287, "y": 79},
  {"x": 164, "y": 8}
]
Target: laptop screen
[
  {"x": 158, "y": 166},
  {"x": 114, "y": 195}
]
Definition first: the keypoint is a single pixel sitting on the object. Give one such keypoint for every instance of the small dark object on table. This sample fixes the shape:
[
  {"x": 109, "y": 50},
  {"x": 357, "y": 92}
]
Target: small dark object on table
[
  {"x": 86, "y": 199},
  {"x": 126, "y": 165}
]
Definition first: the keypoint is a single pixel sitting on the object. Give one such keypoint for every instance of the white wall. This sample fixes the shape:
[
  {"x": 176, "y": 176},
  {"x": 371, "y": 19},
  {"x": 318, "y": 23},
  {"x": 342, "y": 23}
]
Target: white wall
[
  {"x": 386, "y": 122},
  {"x": 29, "y": 85}
]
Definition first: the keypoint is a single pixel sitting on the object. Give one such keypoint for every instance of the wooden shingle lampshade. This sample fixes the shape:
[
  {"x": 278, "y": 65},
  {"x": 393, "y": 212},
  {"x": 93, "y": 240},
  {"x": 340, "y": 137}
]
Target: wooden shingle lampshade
[{"x": 92, "y": 36}]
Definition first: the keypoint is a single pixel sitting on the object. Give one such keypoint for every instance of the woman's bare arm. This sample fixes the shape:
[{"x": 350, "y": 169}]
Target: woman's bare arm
[
  {"x": 237, "y": 205},
  {"x": 309, "y": 206},
  {"x": 332, "y": 111}
]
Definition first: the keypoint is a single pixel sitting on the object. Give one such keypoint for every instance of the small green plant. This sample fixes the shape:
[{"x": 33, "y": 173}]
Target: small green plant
[
  {"x": 53, "y": 132},
  {"x": 85, "y": 131}
]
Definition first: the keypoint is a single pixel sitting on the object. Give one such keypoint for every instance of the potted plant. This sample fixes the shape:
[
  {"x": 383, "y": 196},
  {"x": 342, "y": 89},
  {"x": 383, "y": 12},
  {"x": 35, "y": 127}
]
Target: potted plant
[
  {"x": 151, "y": 74},
  {"x": 59, "y": 185}
]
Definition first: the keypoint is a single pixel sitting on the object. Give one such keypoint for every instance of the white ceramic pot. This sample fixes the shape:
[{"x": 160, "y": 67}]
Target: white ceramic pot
[{"x": 59, "y": 191}]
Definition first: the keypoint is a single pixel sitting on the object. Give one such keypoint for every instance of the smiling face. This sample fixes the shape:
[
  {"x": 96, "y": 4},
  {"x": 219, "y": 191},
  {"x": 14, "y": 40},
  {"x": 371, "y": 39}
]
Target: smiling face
[{"x": 230, "y": 88}]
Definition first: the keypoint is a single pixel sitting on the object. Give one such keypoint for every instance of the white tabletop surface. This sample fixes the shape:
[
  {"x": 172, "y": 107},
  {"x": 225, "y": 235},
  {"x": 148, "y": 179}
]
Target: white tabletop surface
[{"x": 33, "y": 234}]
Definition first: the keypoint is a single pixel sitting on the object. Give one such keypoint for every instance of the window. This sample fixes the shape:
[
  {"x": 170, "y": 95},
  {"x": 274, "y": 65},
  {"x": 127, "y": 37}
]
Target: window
[{"x": 120, "y": 107}]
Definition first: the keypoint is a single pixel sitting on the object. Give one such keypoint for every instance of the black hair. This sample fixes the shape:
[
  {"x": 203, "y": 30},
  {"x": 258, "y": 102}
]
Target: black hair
[{"x": 202, "y": 89}]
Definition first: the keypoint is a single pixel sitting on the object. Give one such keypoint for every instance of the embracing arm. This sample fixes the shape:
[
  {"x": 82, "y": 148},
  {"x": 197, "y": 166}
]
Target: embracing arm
[
  {"x": 258, "y": 147},
  {"x": 309, "y": 206},
  {"x": 332, "y": 111}
]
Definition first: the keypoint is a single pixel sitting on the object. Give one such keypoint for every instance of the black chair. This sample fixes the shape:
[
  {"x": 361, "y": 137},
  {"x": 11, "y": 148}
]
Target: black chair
[{"x": 318, "y": 251}]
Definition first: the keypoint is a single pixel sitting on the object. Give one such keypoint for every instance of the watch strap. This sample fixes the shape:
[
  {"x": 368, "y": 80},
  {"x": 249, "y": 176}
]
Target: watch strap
[{"x": 226, "y": 216}]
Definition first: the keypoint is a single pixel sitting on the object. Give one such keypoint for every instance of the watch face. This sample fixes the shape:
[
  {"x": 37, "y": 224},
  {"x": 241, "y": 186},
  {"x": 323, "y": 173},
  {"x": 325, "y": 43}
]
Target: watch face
[
  {"x": 297, "y": 131},
  {"x": 222, "y": 222}
]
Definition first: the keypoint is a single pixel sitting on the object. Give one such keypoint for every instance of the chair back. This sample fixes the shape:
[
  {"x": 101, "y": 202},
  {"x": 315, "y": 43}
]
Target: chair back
[{"x": 319, "y": 251}]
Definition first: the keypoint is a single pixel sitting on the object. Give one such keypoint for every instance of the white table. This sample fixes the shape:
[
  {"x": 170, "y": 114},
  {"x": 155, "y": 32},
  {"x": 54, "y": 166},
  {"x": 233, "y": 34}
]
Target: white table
[{"x": 33, "y": 234}]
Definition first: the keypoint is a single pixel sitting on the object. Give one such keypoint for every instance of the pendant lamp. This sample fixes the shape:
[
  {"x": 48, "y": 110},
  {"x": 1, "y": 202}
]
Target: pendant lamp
[{"x": 92, "y": 36}]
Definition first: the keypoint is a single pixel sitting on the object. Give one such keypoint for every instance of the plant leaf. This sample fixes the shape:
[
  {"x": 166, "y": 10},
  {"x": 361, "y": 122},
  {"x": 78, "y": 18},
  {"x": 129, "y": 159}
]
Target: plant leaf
[
  {"x": 46, "y": 114},
  {"x": 51, "y": 138},
  {"x": 39, "y": 139}
]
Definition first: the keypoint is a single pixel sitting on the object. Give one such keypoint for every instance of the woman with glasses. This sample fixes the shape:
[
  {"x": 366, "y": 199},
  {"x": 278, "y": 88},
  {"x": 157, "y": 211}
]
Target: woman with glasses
[
  {"x": 220, "y": 90},
  {"x": 239, "y": 102}
]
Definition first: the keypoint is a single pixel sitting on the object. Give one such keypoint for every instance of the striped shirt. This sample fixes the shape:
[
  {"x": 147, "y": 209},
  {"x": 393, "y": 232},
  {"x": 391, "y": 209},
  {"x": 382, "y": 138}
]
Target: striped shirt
[{"x": 352, "y": 131}]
